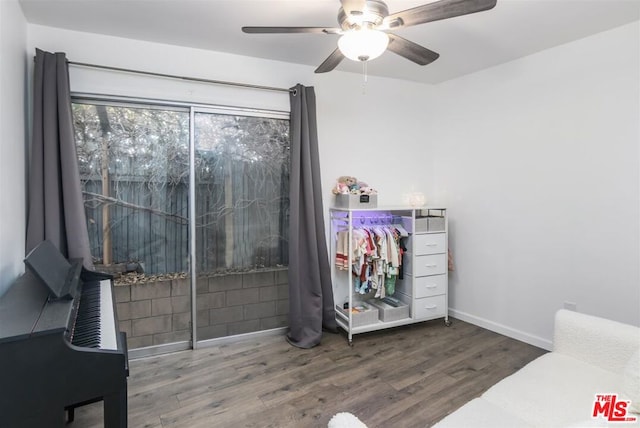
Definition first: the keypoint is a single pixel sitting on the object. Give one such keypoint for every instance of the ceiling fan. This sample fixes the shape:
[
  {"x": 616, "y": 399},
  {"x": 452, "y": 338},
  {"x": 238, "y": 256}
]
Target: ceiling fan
[{"x": 365, "y": 29}]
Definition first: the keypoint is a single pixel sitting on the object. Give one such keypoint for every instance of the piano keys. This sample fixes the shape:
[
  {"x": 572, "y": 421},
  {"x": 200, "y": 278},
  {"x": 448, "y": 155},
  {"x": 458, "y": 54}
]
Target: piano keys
[
  {"x": 59, "y": 353},
  {"x": 95, "y": 323}
]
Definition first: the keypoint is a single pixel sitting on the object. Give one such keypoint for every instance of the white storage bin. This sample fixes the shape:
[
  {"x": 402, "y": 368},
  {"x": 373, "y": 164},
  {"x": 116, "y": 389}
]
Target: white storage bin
[
  {"x": 421, "y": 224},
  {"x": 358, "y": 319},
  {"x": 356, "y": 201},
  {"x": 390, "y": 313},
  {"x": 435, "y": 224}
]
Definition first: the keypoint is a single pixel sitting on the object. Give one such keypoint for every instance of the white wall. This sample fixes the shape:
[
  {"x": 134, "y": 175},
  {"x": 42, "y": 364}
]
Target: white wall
[
  {"x": 538, "y": 160},
  {"x": 13, "y": 87},
  {"x": 382, "y": 136}
]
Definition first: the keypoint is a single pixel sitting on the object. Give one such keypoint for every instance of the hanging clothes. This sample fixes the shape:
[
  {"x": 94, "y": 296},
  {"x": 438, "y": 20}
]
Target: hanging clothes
[
  {"x": 342, "y": 250},
  {"x": 376, "y": 257},
  {"x": 393, "y": 245}
]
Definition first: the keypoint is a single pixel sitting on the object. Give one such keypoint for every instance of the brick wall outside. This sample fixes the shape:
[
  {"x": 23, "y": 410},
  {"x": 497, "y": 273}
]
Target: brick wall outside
[{"x": 157, "y": 313}]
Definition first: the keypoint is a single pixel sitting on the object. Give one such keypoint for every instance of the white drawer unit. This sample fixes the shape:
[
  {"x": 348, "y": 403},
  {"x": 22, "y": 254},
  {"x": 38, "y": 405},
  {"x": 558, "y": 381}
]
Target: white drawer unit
[
  {"x": 432, "y": 264},
  {"x": 430, "y": 243},
  {"x": 427, "y": 286},
  {"x": 430, "y": 307},
  {"x": 424, "y": 284}
]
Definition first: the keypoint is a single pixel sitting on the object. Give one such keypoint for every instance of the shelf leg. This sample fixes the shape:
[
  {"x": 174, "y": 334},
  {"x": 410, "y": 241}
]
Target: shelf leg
[{"x": 447, "y": 322}]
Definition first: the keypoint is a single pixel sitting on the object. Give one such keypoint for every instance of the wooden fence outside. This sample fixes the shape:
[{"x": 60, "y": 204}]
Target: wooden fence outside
[{"x": 149, "y": 223}]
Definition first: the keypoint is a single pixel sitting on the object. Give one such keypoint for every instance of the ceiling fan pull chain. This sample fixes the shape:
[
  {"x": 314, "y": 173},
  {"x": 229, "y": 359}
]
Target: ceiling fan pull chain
[{"x": 364, "y": 76}]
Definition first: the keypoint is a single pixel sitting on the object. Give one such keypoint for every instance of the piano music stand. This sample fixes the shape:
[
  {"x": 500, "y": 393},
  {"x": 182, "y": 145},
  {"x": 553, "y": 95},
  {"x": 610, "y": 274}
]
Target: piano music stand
[{"x": 47, "y": 263}]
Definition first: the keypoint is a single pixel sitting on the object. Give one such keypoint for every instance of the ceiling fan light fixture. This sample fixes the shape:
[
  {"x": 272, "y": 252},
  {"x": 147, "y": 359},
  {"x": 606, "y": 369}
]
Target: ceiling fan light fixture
[{"x": 363, "y": 44}]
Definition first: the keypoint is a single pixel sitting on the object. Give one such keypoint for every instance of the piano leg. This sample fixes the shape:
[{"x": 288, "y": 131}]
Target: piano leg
[
  {"x": 115, "y": 409},
  {"x": 71, "y": 410}
]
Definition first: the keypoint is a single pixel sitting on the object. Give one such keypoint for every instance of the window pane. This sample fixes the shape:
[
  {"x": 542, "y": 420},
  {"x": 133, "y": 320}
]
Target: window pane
[
  {"x": 242, "y": 191},
  {"x": 134, "y": 170}
]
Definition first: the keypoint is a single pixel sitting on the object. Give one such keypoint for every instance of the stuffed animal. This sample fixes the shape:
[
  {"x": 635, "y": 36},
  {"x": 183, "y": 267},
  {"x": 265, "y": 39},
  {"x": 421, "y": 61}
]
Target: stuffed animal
[
  {"x": 347, "y": 184},
  {"x": 368, "y": 190},
  {"x": 340, "y": 189},
  {"x": 351, "y": 182},
  {"x": 344, "y": 185}
]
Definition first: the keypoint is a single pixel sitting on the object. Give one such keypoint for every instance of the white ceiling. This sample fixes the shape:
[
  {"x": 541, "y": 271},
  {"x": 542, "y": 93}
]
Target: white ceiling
[{"x": 513, "y": 29}]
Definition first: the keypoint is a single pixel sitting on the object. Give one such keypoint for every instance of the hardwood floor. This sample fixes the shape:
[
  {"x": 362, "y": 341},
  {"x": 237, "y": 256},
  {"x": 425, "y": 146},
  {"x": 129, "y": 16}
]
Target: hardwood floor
[{"x": 409, "y": 376}]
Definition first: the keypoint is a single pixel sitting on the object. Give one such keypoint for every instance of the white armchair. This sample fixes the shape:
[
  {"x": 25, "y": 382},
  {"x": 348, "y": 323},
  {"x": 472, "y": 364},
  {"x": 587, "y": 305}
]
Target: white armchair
[{"x": 590, "y": 356}]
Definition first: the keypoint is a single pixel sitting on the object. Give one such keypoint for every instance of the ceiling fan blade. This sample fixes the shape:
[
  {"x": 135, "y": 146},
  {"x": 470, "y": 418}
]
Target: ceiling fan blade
[
  {"x": 353, "y": 7},
  {"x": 436, "y": 11},
  {"x": 331, "y": 62},
  {"x": 411, "y": 51},
  {"x": 289, "y": 30}
]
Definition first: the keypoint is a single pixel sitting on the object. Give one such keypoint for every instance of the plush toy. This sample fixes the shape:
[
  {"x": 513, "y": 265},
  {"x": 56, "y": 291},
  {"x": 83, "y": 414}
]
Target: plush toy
[
  {"x": 347, "y": 184},
  {"x": 351, "y": 182},
  {"x": 344, "y": 185},
  {"x": 340, "y": 189},
  {"x": 368, "y": 190}
]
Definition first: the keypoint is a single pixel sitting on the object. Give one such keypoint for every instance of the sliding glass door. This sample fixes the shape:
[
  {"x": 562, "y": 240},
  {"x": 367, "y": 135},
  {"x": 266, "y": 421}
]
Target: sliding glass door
[
  {"x": 178, "y": 198},
  {"x": 241, "y": 189}
]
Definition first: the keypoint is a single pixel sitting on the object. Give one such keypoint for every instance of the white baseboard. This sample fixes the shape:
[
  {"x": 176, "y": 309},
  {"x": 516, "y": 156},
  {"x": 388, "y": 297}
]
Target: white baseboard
[{"x": 502, "y": 329}]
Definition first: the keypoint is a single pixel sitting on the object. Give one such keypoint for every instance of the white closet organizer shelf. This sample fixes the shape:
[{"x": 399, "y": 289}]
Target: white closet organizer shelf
[{"x": 422, "y": 293}]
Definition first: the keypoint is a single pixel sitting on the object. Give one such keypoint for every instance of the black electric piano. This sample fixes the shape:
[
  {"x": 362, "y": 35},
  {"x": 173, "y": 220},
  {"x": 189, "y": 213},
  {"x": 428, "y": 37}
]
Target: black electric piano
[{"x": 60, "y": 346}]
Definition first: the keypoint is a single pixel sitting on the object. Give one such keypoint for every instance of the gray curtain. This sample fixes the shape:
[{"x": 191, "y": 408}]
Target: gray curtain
[
  {"x": 56, "y": 209},
  {"x": 310, "y": 291}
]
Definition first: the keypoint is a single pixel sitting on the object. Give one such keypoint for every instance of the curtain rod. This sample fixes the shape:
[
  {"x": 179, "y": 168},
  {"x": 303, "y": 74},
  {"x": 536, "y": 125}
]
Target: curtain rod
[{"x": 174, "y": 76}]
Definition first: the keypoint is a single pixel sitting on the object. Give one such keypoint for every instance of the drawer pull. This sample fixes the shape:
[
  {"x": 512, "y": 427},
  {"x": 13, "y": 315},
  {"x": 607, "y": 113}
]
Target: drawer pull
[
  {"x": 431, "y": 266},
  {"x": 431, "y": 307},
  {"x": 431, "y": 286},
  {"x": 431, "y": 245}
]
